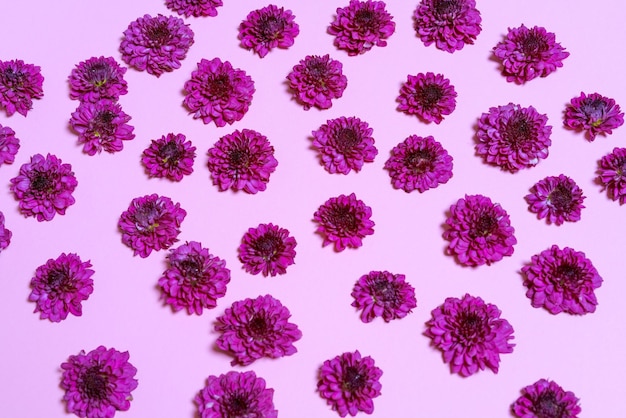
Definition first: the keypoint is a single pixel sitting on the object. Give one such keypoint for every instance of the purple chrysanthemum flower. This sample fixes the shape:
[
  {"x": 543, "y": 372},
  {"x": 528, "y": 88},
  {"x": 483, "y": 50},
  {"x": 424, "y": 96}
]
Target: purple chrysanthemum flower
[
  {"x": 362, "y": 25},
  {"x": 98, "y": 383},
  {"x": 156, "y": 44},
  {"x": 101, "y": 126},
  {"x": 344, "y": 221},
  {"x": 349, "y": 383},
  {"x": 267, "y": 249},
  {"x": 96, "y": 79},
  {"x": 236, "y": 394},
  {"x": 242, "y": 160},
  {"x": 529, "y": 53},
  {"x": 449, "y": 24},
  {"x": 316, "y": 80},
  {"x": 194, "y": 280},
  {"x": 255, "y": 328},
  {"x": 170, "y": 156},
  {"x": 383, "y": 294},
  {"x": 470, "y": 334},
  {"x": 429, "y": 96},
  {"x": 20, "y": 83},
  {"x": 5, "y": 234},
  {"x": 344, "y": 144},
  {"x": 595, "y": 114},
  {"x": 558, "y": 199},
  {"x": 218, "y": 93},
  {"x": 268, "y": 28},
  {"x": 195, "y": 8},
  {"x": 612, "y": 174},
  {"x": 546, "y": 399},
  {"x": 44, "y": 187},
  {"x": 9, "y": 145},
  {"x": 513, "y": 137},
  {"x": 152, "y": 222},
  {"x": 479, "y": 231}
]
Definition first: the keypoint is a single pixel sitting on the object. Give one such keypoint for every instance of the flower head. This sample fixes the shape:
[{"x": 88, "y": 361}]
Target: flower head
[
  {"x": 612, "y": 174},
  {"x": 96, "y": 79},
  {"x": 9, "y": 145},
  {"x": 344, "y": 221},
  {"x": 546, "y": 399},
  {"x": 595, "y": 114},
  {"x": 316, "y": 80},
  {"x": 5, "y": 234},
  {"x": 383, "y": 294},
  {"x": 170, "y": 156},
  {"x": 20, "y": 83},
  {"x": 267, "y": 249},
  {"x": 195, "y": 8},
  {"x": 268, "y": 28},
  {"x": 429, "y": 96},
  {"x": 558, "y": 199}
]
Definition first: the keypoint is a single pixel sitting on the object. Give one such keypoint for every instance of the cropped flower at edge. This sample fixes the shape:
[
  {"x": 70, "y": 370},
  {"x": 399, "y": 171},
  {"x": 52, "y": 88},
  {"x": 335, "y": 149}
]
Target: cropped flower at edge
[
  {"x": 97, "y": 78},
  {"x": 429, "y": 96},
  {"x": 170, "y": 156},
  {"x": 593, "y": 113},
  {"x": 9, "y": 145},
  {"x": 558, "y": 199},
  {"x": 195, "y": 8},
  {"x": 20, "y": 83},
  {"x": 612, "y": 174},
  {"x": 545, "y": 398},
  {"x": 316, "y": 81},
  {"x": 5, "y": 234},
  {"x": 268, "y": 28},
  {"x": 383, "y": 294},
  {"x": 267, "y": 249}
]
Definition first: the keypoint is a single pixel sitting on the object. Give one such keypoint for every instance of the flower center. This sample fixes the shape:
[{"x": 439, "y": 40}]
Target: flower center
[
  {"x": 13, "y": 79},
  {"x": 41, "y": 182},
  {"x": 191, "y": 267},
  {"x": 170, "y": 152},
  {"x": 268, "y": 245},
  {"x": 547, "y": 406},
  {"x": 158, "y": 34},
  {"x": 57, "y": 280},
  {"x": 420, "y": 160},
  {"x": 352, "y": 379},
  {"x": 385, "y": 291},
  {"x": 346, "y": 139},
  {"x": 94, "y": 384},
  {"x": 239, "y": 158},
  {"x": 238, "y": 406},
  {"x": 471, "y": 326},
  {"x": 518, "y": 131},
  {"x": 147, "y": 215},
  {"x": 270, "y": 27},
  {"x": 568, "y": 276},
  {"x": 317, "y": 69},
  {"x": 365, "y": 18},
  {"x": 594, "y": 109},
  {"x": 447, "y": 8},
  {"x": 258, "y": 327},
  {"x": 102, "y": 123},
  {"x": 561, "y": 198},
  {"x": 220, "y": 86},
  {"x": 429, "y": 95},
  {"x": 343, "y": 219},
  {"x": 533, "y": 44},
  {"x": 98, "y": 73},
  {"x": 484, "y": 226}
]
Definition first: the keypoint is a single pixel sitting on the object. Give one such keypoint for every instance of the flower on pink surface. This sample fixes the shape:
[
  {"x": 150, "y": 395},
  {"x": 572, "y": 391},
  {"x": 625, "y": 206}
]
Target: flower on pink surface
[
  {"x": 267, "y": 249},
  {"x": 612, "y": 174},
  {"x": 546, "y": 399},
  {"x": 195, "y": 8},
  {"x": 96, "y": 79},
  {"x": 558, "y": 199},
  {"x": 595, "y": 114},
  {"x": 268, "y": 28},
  {"x": 429, "y": 96},
  {"x": 383, "y": 294},
  {"x": 344, "y": 221},
  {"x": 316, "y": 81},
  {"x": 9, "y": 145},
  {"x": 5, "y": 234},
  {"x": 170, "y": 156},
  {"x": 20, "y": 83}
]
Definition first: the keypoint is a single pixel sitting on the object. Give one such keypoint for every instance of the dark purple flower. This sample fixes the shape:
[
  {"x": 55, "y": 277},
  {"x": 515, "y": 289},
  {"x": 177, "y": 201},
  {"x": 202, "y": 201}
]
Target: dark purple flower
[
  {"x": 255, "y": 328},
  {"x": 267, "y": 249},
  {"x": 316, "y": 80},
  {"x": 349, "y": 383},
  {"x": 470, "y": 334},
  {"x": 5, "y": 234},
  {"x": 529, "y": 53},
  {"x": 96, "y": 79},
  {"x": 595, "y": 114},
  {"x": 612, "y": 174},
  {"x": 170, "y": 156},
  {"x": 268, "y": 28},
  {"x": 429, "y": 96},
  {"x": 9, "y": 145},
  {"x": 44, "y": 187},
  {"x": 449, "y": 24},
  {"x": 218, "y": 93},
  {"x": 20, "y": 83},
  {"x": 546, "y": 399},
  {"x": 383, "y": 294},
  {"x": 479, "y": 231},
  {"x": 98, "y": 383},
  {"x": 195, "y": 8},
  {"x": 558, "y": 199},
  {"x": 156, "y": 44},
  {"x": 152, "y": 222}
]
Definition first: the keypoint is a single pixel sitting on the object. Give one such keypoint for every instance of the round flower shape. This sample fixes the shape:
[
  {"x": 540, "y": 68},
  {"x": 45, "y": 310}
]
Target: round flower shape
[
  {"x": 195, "y": 8},
  {"x": 344, "y": 144},
  {"x": 267, "y": 249},
  {"x": 383, "y": 294},
  {"x": 268, "y": 28},
  {"x": 558, "y": 199},
  {"x": 470, "y": 334},
  {"x": 20, "y": 83},
  {"x": 612, "y": 174},
  {"x": 344, "y": 221},
  {"x": 152, "y": 222},
  {"x": 9, "y": 145},
  {"x": 5, "y": 234},
  {"x": 96, "y": 79},
  {"x": 156, "y": 44},
  {"x": 595, "y": 114},
  {"x": 236, "y": 394},
  {"x": 170, "y": 157},
  {"x": 255, "y": 328},
  {"x": 218, "y": 93},
  {"x": 479, "y": 231},
  {"x": 44, "y": 187},
  {"x": 242, "y": 160},
  {"x": 526, "y": 54},
  {"x": 316, "y": 81},
  {"x": 428, "y": 96},
  {"x": 546, "y": 398},
  {"x": 98, "y": 383},
  {"x": 513, "y": 137},
  {"x": 349, "y": 383},
  {"x": 449, "y": 24}
]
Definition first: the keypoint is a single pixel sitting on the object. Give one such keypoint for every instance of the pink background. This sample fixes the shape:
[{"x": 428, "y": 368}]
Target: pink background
[{"x": 174, "y": 353}]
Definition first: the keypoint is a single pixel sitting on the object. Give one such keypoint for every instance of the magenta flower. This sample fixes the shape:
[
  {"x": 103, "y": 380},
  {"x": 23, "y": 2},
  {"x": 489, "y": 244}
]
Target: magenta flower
[
  {"x": 546, "y": 398},
  {"x": 5, "y": 234},
  {"x": 96, "y": 79},
  {"x": 383, "y": 294},
  {"x": 612, "y": 174},
  {"x": 268, "y": 28},
  {"x": 152, "y": 222},
  {"x": 44, "y": 187},
  {"x": 558, "y": 199},
  {"x": 316, "y": 81},
  {"x": 195, "y": 8},
  {"x": 595, "y": 114},
  {"x": 429, "y": 96},
  {"x": 9, "y": 145},
  {"x": 349, "y": 383},
  {"x": 20, "y": 83},
  {"x": 255, "y": 328},
  {"x": 267, "y": 249},
  {"x": 98, "y": 383},
  {"x": 170, "y": 156}
]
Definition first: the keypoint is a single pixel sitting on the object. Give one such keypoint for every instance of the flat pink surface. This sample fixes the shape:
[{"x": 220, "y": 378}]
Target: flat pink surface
[{"x": 174, "y": 352}]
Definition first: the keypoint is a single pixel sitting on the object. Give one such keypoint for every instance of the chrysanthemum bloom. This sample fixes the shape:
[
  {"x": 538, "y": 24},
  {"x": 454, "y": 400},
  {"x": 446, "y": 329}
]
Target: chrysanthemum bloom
[
  {"x": 101, "y": 126},
  {"x": 242, "y": 160},
  {"x": 268, "y": 28},
  {"x": 98, "y": 383},
  {"x": 362, "y": 25},
  {"x": 98, "y": 78},
  {"x": 612, "y": 174},
  {"x": 267, "y": 249},
  {"x": 383, "y": 294},
  {"x": 546, "y": 399},
  {"x": 218, "y": 93},
  {"x": 349, "y": 383},
  {"x": 194, "y": 280},
  {"x": 479, "y": 231},
  {"x": 152, "y": 222},
  {"x": 20, "y": 83},
  {"x": 513, "y": 137},
  {"x": 156, "y": 44},
  {"x": 316, "y": 81},
  {"x": 529, "y": 53},
  {"x": 5, "y": 234},
  {"x": 470, "y": 334},
  {"x": 344, "y": 221},
  {"x": 344, "y": 144},
  {"x": 236, "y": 394},
  {"x": 9, "y": 145},
  {"x": 449, "y": 24},
  {"x": 170, "y": 156},
  {"x": 429, "y": 96},
  {"x": 558, "y": 199},
  {"x": 595, "y": 114},
  {"x": 255, "y": 328},
  {"x": 44, "y": 187},
  {"x": 195, "y": 8}
]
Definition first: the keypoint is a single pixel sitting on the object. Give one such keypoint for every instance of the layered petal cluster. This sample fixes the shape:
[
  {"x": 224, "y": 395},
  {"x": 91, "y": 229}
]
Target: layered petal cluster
[
  {"x": 170, "y": 157},
  {"x": 593, "y": 113},
  {"x": 97, "y": 78},
  {"x": 316, "y": 81},
  {"x": 612, "y": 174},
  {"x": 545, "y": 398},
  {"x": 267, "y": 249},
  {"x": 344, "y": 221},
  {"x": 383, "y": 294},
  {"x": 20, "y": 83},
  {"x": 429, "y": 96},
  {"x": 9, "y": 145},
  {"x": 195, "y": 8},
  {"x": 268, "y": 28},
  {"x": 556, "y": 198},
  {"x": 5, "y": 234}
]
